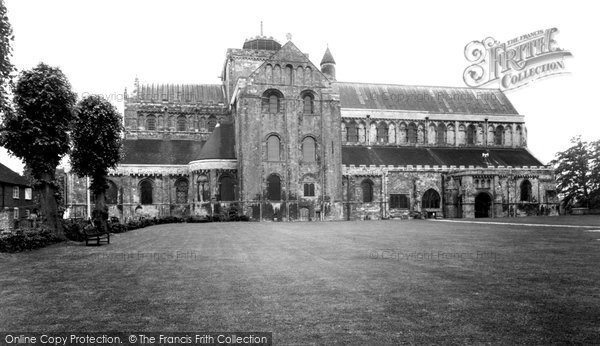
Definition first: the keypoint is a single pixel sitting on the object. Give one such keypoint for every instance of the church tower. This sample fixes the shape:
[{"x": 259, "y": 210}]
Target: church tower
[
  {"x": 328, "y": 65},
  {"x": 287, "y": 120}
]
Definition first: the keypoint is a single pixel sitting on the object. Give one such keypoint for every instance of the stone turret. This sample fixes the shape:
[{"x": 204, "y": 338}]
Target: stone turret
[{"x": 328, "y": 65}]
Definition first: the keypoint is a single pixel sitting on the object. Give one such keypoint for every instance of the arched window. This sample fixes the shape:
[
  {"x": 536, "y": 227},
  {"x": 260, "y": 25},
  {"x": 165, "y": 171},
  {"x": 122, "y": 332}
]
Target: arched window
[
  {"x": 471, "y": 134},
  {"x": 181, "y": 191},
  {"x": 273, "y": 148},
  {"x": 367, "y": 190},
  {"x": 526, "y": 191},
  {"x": 146, "y": 192},
  {"x": 499, "y": 135},
  {"x": 431, "y": 199},
  {"x": 112, "y": 193},
  {"x": 151, "y": 123},
  {"x": 181, "y": 123},
  {"x": 226, "y": 188},
  {"x": 212, "y": 123},
  {"x": 352, "y": 132},
  {"x": 362, "y": 133},
  {"x": 441, "y": 134},
  {"x": 412, "y": 133},
  {"x": 382, "y": 132},
  {"x": 309, "y": 150},
  {"x": 273, "y": 188},
  {"x": 308, "y": 103},
  {"x": 271, "y": 102},
  {"x": 203, "y": 189}
]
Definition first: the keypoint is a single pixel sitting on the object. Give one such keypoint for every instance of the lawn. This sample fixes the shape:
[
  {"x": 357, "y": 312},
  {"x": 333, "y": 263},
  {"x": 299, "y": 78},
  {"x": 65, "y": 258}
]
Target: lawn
[{"x": 373, "y": 282}]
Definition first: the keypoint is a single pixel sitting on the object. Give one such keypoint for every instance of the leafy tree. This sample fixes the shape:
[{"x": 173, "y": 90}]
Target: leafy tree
[
  {"x": 96, "y": 148},
  {"x": 578, "y": 172},
  {"x": 6, "y": 68},
  {"x": 37, "y": 132}
]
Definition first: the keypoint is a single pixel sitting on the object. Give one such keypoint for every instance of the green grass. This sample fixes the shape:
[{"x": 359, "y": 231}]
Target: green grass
[{"x": 314, "y": 283}]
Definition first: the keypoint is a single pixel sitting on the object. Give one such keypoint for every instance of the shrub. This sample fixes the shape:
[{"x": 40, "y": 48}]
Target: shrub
[
  {"x": 23, "y": 240},
  {"x": 74, "y": 229}
]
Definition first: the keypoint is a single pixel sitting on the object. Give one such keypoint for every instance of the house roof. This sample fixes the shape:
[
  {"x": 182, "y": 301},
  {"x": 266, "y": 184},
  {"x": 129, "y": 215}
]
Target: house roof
[
  {"x": 160, "y": 152},
  {"x": 11, "y": 177},
  {"x": 220, "y": 144},
  {"x": 449, "y": 100},
  {"x": 198, "y": 93},
  {"x": 403, "y": 156}
]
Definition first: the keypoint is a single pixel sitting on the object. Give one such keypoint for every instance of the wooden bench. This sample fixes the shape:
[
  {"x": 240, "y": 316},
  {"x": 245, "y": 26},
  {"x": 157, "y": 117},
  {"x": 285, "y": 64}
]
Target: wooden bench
[{"x": 93, "y": 234}]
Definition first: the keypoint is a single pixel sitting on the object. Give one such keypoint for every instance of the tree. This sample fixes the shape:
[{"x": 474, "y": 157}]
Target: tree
[
  {"x": 37, "y": 132},
  {"x": 578, "y": 172},
  {"x": 6, "y": 68},
  {"x": 96, "y": 148}
]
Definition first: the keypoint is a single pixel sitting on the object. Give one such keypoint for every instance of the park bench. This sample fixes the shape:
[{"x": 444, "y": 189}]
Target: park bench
[{"x": 94, "y": 234}]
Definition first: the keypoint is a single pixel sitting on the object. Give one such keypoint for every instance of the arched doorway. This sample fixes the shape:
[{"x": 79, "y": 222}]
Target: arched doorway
[{"x": 483, "y": 205}]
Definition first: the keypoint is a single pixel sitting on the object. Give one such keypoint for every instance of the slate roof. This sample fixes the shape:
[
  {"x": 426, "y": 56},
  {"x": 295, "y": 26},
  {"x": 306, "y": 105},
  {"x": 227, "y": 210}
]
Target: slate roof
[
  {"x": 327, "y": 58},
  {"x": 403, "y": 156},
  {"x": 197, "y": 93},
  {"x": 8, "y": 176},
  {"x": 448, "y": 100},
  {"x": 220, "y": 144},
  {"x": 160, "y": 152}
]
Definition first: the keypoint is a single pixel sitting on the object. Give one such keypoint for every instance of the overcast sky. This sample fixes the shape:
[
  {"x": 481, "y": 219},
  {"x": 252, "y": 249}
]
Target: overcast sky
[{"x": 103, "y": 45}]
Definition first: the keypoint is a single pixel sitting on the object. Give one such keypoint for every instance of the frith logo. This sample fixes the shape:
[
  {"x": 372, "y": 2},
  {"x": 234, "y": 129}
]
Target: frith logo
[{"x": 514, "y": 63}]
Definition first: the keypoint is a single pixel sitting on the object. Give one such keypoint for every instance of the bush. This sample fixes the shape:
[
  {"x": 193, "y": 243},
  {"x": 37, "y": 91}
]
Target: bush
[
  {"x": 23, "y": 240},
  {"x": 74, "y": 229}
]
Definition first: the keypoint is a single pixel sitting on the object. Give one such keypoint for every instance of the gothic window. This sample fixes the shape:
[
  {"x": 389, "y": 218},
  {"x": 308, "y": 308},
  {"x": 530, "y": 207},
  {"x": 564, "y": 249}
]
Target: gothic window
[
  {"x": 273, "y": 148},
  {"x": 382, "y": 132},
  {"x": 151, "y": 123},
  {"x": 526, "y": 191},
  {"x": 450, "y": 139},
  {"x": 412, "y": 133},
  {"x": 499, "y": 135},
  {"x": 344, "y": 132},
  {"x": 181, "y": 123},
  {"x": 352, "y": 132},
  {"x": 471, "y": 134},
  {"x": 146, "y": 192},
  {"x": 309, "y": 150},
  {"x": 399, "y": 201},
  {"x": 226, "y": 188},
  {"x": 308, "y": 104},
  {"x": 212, "y": 123},
  {"x": 273, "y": 188},
  {"x": 309, "y": 189},
  {"x": 431, "y": 199},
  {"x": 203, "y": 189},
  {"x": 367, "y": 190},
  {"x": 441, "y": 134},
  {"x": 181, "y": 191},
  {"x": 112, "y": 193}
]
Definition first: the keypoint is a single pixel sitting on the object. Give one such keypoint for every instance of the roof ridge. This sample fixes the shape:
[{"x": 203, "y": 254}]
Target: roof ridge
[{"x": 420, "y": 86}]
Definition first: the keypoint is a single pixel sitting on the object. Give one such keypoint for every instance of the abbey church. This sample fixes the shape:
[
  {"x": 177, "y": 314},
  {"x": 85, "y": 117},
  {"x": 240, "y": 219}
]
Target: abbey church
[{"x": 279, "y": 138}]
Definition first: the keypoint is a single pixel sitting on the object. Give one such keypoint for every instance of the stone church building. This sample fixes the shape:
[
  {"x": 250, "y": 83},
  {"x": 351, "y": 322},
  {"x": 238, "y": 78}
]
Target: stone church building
[{"x": 281, "y": 139}]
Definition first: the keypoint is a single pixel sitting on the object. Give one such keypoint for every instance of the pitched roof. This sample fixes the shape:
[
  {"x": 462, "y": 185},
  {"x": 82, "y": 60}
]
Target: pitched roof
[
  {"x": 220, "y": 144},
  {"x": 327, "y": 58},
  {"x": 9, "y": 176},
  {"x": 160, "y": 152},
  {"x": 448, "y": 100},
  {"x": 198, "y": 93},
  {"x": 403, "y": 156}
]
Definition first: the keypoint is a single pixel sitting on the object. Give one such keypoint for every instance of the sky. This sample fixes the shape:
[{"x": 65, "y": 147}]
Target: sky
[{"x": 102, "y": 46}]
